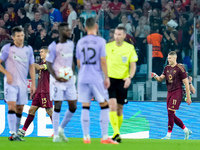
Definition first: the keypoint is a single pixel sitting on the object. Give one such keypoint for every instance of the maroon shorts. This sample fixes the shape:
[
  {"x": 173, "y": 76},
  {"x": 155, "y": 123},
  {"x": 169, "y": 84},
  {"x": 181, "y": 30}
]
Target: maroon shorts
[
  {"x": 42, "y": 100},
  {"x": 174, "y": 99}
]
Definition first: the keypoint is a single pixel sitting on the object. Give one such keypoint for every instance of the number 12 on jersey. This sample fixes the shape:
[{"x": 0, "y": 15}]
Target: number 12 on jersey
[{"x": 89, "y": 61}]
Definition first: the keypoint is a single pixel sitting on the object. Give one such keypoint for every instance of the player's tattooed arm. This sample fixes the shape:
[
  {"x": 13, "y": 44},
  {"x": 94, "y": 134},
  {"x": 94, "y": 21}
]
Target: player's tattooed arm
[
  {"x": 158, "y": 78},
  {"x": 40, "y": 67},
  {"x": 52, "y": 72},
  {"x": 4, "y": 71}
]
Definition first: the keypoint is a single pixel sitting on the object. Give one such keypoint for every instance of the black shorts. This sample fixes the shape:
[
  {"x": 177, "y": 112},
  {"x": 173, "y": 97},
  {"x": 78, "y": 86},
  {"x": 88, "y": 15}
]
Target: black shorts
[{"x": 117, "y": 90}]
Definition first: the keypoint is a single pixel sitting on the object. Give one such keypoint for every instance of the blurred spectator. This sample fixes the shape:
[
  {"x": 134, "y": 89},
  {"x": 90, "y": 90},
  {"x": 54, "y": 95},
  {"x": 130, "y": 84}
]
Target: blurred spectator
[
  {"x": 146, "y": 9},
  {"x": 2, "y": 22},
  {"x": 129, "y": 29},
  {"x": 55, "y": 26},
  {"x": 40, "y": 26},
  {"x": 155, "y": 19},
  {"x": 41, "y": 40},
  {"x": 130, "y": 8},
  {"x": 44, "y": 16},
  {"x": 8, "y": 24},
  {"x": 95, "y": 6},
  {"x": 142, "y": 31},
  {"x": 53, "y": 36},
  {"x": 168, "y": 12},
  {"x": 87, "y": 12},
  {"x": 29, "y": 34},
  {"x": 111, "y": 35},
  {"x": 3, "y": 34},
  {"x": 179, "y": 6},
  {"x": 72, "y": 16},
  {"x": 155, "y": 39},
  {"x": 55, "y": 15},
  {"x": 12, "y": 15},
  {"x": 115, "y": 7},
  {"x": 155, "y": 4},
  {"x": 104, "y": 18},
  {"x": 16, "y": 5},
  {"x": 136, "y": 16},
  {"x": 117, "y": 19},
  {"x": 30, "y": 8},
  {"x": 22, "y": 20},
  {"x": 79, "y": 30},
  {"x": 1, "y": 8},
  {"x": 195, "y": 7},
  {"x": 64, "y": 10},
  {"x": 36, "y": 21}
]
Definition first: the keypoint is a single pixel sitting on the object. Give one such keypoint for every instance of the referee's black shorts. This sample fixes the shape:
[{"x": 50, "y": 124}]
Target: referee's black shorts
[{"x": 117, "y": 90}]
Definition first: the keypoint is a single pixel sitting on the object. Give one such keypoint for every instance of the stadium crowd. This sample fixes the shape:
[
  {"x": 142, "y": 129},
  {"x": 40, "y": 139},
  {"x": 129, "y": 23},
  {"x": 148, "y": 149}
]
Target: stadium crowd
[{"x": 166, "y": 24}]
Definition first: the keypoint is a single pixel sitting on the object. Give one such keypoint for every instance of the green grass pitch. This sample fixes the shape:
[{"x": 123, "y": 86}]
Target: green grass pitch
[{"x": 42, "y": 143}]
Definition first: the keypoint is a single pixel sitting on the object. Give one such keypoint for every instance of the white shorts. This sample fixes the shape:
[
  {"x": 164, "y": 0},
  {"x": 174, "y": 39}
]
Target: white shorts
[
  {"x": 86, "y": 91},
  {"x": 15, "y": 93},
  {"x": 60, "y": 93}
]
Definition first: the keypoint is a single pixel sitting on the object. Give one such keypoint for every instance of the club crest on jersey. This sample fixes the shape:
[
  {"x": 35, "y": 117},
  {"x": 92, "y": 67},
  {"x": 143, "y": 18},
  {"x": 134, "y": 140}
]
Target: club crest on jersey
[{"x": 124, "y": 59}]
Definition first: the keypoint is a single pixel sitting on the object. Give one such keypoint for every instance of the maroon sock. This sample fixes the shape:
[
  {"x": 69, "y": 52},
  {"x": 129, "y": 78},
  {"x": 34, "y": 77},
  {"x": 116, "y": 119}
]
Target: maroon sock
[
  {"x": 170, "y": 120},
  {"x": 28, "y": 121},
  {"x": 179, "y": 122}
]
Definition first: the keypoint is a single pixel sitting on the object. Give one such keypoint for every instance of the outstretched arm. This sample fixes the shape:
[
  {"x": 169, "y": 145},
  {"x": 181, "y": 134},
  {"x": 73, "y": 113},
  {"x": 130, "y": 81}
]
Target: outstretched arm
[{"x": 158, "y": 78}]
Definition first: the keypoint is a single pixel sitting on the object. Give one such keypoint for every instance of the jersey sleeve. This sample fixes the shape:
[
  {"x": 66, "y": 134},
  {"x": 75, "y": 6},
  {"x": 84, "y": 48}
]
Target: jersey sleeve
[
  {"x": 52, "y": 53},
  {"x": 133, "y": 57},
  {"x": 164, "y": 72},
  {"x": 4, "y": 52},
  {"x": 103, "y": 48},
  {"x": 182, "y": 71},
  {"x": 31, "y": 56}
]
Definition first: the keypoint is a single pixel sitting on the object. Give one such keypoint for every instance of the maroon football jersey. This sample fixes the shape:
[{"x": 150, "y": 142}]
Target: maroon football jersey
[
  {"x": 174, "y": 76},
  {"x": 43, "y": 81}
]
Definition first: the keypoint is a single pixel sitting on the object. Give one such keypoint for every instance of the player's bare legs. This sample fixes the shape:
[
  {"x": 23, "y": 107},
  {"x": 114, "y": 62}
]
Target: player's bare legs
[
  {"x": 113, "y": 116},
  {"x": 68, "y": 115},
  {"x": 29, "y": 119},
  {"x": 49, "y": 112}
]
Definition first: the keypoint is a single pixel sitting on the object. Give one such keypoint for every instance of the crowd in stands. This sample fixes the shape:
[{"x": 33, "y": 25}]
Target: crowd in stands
[{"x": 166, "y": 24}]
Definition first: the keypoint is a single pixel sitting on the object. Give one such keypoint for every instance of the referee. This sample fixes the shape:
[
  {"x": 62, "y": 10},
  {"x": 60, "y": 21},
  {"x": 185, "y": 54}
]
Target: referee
[{"x": 121, "y": 61}]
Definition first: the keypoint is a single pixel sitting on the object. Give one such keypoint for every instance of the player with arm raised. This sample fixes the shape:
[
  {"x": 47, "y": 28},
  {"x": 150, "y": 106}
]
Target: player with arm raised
[
  {"x": 175, "y": 75},
  {"x": 19, "y": 59},
  {"x": 41, "y": 97},
  {"x": 61, "y": 55},
  {"x": 93, "y": 80}
]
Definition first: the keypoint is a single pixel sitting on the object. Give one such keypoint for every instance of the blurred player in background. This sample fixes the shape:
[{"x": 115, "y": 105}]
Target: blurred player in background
[
  {"x": 192, "y": 89},
  {"x": 41, "y": 97},
  {"x": 121, "y": 60},
  {"x": 61, "y": 55},
  {"x": 91, "y": 60},
  {"x": 19, "y": 59},
  {"x": 175, "y": 76}
]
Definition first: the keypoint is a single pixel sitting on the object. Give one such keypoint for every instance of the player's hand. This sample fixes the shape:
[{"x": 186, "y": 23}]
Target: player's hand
[
  {"x": 127, "y": 82},
  {"x": 9, "y": 78},
  {"x": 190, "y": 79},
  {"x": 37, "y": 66},
  {"x": 107, "y": 83},
  {"x": 32, "y": 90},
  {"x": 153, "y": 74},
  {"x": 61, "y": 79},
  {"x": 188, "y": 101}
]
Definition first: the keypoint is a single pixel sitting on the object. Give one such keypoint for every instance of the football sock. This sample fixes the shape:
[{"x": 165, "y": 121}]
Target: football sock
[
  {"x": 120, "y": 120},
  {"x": 66, "y": 119},
  {"x": 85, "y": 120},
  {"x": 18, "y": 120},
  {"x": 12, "y": 121},
  {"x": 104, "y": 120},
  {"x": 185, "y": 129},
  {"x": 55, "y": 118},
  {"x": 28, "y": 121},
  {"x": 179, "y": 122},
  {"x": 114, "y": 122},
  {"x": 170, "y": 120}
]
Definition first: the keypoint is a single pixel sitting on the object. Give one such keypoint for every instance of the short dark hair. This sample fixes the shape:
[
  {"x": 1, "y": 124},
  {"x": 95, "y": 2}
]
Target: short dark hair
[
  {"x": 185, "y": 16},
  {"x": 23, "y": 12},
  {"x": 172, "y": 53},
  {"x": 44, "y": 47},
  {"x": 36, "y": 12},
  {"x": 175, "y": 33},
  {"x": 90, "y": 22},
  {"x": 63, "y": 24},
  {"x": 10, "y": 6},
  {"x": 54, "y": 32},
  {"x": 121, "y": 28},
  {"x": 16, "y": 29},
  {"x": 73, "y": 4}
]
